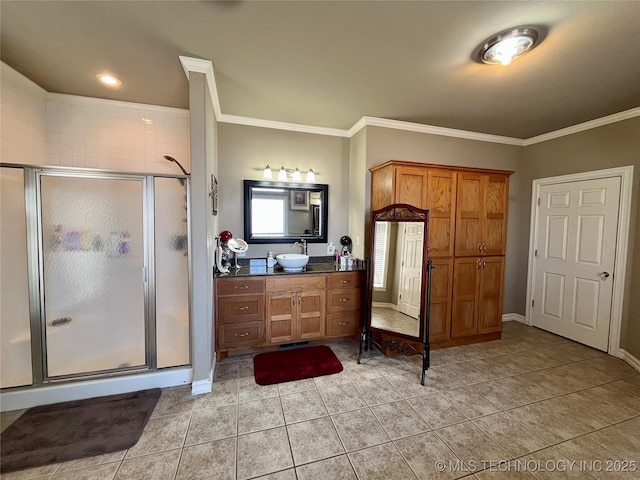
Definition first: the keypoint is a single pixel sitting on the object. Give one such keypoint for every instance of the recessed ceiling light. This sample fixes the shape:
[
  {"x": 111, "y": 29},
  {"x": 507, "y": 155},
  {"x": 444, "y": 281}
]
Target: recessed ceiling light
[
  {"x": 506, "y": 46},
  {"x": 109, "y": 80}
]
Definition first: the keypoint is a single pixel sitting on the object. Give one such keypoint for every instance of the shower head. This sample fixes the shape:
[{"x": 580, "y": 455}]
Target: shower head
[{"x": 171, "y": 159}]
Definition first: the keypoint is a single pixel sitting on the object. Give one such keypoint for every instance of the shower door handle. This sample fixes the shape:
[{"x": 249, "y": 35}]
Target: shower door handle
[{"x": 144, "y": 275}]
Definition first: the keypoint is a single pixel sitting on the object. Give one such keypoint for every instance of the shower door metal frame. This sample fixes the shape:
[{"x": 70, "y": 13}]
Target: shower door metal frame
[{"x": 35, "y": 266}]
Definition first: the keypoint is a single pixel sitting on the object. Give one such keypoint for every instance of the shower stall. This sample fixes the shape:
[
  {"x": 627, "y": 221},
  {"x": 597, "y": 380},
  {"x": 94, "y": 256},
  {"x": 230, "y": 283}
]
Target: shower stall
[{"x": 95, "y": 274}]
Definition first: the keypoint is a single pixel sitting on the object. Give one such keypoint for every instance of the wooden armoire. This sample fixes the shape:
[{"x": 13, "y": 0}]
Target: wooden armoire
[{"x": 467, "y": 238}]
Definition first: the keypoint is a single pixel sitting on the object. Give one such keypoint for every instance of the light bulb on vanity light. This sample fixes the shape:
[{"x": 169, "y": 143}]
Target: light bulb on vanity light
[
  {"x": 297, "y": 177},
  {"x": 267, "y": 174},
  {"x": 311, "y": 176},
  {"x": 282, "y": 175}
]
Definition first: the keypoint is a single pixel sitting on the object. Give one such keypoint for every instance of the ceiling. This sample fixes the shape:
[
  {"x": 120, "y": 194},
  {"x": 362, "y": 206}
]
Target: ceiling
[{"x": 329, "y": 63}]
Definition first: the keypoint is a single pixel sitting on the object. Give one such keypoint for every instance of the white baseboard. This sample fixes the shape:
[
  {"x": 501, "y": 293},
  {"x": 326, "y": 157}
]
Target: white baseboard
[
  {"x": 31, "y": 397},
  {"x": 392, "y": 306},
  {"x": 630, "y": 359},
  {"x": 514, "y": 317},
  {"x": 204, "y": 386}
]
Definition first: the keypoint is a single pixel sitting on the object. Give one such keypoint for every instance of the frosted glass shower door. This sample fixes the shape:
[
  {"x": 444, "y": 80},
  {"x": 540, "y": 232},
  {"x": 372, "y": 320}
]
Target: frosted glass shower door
[
  {"x": 15, "y": 329},
  {"x": 93, "y": 261},
  {"x": 171, "y": 272}
]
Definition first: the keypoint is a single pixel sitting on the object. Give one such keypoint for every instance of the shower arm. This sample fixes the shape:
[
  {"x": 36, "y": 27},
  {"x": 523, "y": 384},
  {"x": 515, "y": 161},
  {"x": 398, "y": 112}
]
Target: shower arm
[{"x": 171, "y": 159}]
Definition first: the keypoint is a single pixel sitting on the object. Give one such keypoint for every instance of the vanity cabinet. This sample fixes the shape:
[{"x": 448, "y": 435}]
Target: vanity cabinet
[
  {"x": 240, "y": 313},
  {"x": 467, "y": 225},
  {"x": 344, "y": 303},
  {"x": 295, "y": 308}
]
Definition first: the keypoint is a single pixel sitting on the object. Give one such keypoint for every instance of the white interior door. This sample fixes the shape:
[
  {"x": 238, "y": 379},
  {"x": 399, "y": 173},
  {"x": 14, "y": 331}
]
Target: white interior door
[
  {"x": 411, "y": 268},
  {"x": 574, "y": 260}
]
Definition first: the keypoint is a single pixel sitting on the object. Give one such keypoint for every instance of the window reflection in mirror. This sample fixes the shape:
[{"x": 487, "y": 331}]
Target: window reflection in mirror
[
  {"x": 278, "y": 212},
  {"x": 397, "y": 276}
]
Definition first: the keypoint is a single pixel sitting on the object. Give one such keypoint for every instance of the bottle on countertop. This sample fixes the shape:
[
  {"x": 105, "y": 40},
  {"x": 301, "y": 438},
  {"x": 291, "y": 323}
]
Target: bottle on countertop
[
  {"x": 331, "y": 249},
  {"x": 271, "y": 261}
]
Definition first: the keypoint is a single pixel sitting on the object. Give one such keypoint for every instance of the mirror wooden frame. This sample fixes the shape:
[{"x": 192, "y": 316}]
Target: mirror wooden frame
[
  {"x": 387, "y": 340},
  {"x": 321, "y": 215}
]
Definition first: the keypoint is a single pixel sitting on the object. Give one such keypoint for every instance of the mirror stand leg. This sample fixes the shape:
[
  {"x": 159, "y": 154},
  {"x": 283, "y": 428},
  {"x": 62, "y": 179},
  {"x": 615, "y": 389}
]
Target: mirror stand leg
[
  {"x": 364, "y": 344},
  {"x": 425, "y": 363}
]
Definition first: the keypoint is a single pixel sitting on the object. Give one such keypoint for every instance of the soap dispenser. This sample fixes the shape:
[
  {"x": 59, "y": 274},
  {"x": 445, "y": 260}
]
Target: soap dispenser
[
  {"x": 271, "y": 262},
  {"x": 331, "y": 249}
]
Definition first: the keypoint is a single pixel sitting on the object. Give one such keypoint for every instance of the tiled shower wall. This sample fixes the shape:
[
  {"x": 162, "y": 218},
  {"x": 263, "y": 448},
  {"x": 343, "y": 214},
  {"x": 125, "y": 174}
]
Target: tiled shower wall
[{"x": 52, "y": 129}]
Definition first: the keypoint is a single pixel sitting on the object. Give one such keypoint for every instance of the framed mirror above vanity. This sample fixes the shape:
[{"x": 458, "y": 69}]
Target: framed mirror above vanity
[
  {"x": 279, "y": 212},
  {"x": 399, "y": 284}
]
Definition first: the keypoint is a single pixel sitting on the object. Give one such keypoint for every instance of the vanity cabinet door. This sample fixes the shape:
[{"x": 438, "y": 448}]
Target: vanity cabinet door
[
  {"x": 281, "y": 317},
  {"x": 441, "y": 289},
  {"x": 311, "y": 315},
  {"x": 441, "y": 203},
  {"x": 411, "y": 186}
]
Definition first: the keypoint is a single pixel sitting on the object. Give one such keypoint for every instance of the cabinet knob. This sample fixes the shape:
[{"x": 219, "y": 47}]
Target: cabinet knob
[
  {"x": 480, "y": 247},
  {"x": 242, "y": 287},
  {"x": 345, "y": 299},
  {"x": 240, "y": 309},
  {"x": 243, "y": 334},
  {"x": 345, "y": 323},
  {"x": 345, "y": 281}
]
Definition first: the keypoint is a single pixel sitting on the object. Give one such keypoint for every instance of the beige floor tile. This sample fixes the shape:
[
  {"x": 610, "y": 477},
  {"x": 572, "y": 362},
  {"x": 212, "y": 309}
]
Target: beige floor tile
[
  {"x": 161, "y": 434},
  {"x": 222, "y": 393},
  {"x": 526, "y": 388},
  {"x": 399, "y": 419},
  {"x": 549, "y": 464},
  {"x": 613, "y": 393},
  {"x": 509, "y": 434},
  {"x": 249, "y": 390},
  {"x": 382, "y": 462},
  {"x": 209, "y": 460},
  {"x": 90, "y": 461},
  {"x": 106, "y": 471},
  {"x": 260, "y": 414},
  {"x": 395, "y": 366},
  {"x": 591, "y": 404},
  {"x": 36, "y": 472},
  {"x": 157, "y": 466},
  {"x": 359, "y": 429},
  {"x": 505, "y": 474},
  {"x": 565, "y": 408},
  {"x": 173, "y": 401},
  {"x": 377, "y": 390},
  {"x": 586, "y": 452},
  {"x": 430, "y": 458},
  {"x": 314, "y": 440},
  {"x": 620, "y": 441},
  {"x": 336, "y": 468},
  {"x": 548, "y": 427},
  {"x": 302, "y": 406},
  {"x": 364, "y": 370},
  {"x": 289, "y": 474},
  {"x": 436, "y": 410},
  {"x": 209, "y": 424},
  {"x": 631, "y": 426},
  {"x": 341, "y": 398},
  {"x": 472, "y": 445},
  {"x": 245, "y": 368},
  {"x": 263, "y": 452},
  {"x": 501, "y": 396},
  {"x": 469, "y": 402},
  {"x": 330, "y": 380},
  {"x": 296, "y": 386},
  {"x": 408, "y": 385},
  {"x": 226, "y": 371}
]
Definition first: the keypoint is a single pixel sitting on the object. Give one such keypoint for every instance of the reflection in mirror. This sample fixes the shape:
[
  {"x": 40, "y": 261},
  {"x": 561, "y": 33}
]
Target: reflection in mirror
[
  {"x": 278, "y": 212},
  {"x": 397, "y": 277}
]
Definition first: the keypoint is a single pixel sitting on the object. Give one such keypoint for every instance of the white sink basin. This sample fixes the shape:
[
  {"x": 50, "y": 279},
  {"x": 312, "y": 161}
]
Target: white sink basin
[{"x": 292, "y": 262}]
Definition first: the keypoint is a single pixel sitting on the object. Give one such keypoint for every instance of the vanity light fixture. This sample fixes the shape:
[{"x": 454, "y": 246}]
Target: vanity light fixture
[
  {"x": 109, "y": 80},
  {"x": 508, "y": 45},
  {"x": 286, "y": 174}
]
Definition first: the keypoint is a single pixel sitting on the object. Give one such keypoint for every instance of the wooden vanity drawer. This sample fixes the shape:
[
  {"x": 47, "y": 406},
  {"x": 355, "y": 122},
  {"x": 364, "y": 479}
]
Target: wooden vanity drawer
[
  {"x": 341, "y": 324},
  {"x": 296, "y": 283},
  {"x": 240, "y": 286},
  {"x": 244, "y": 308},
  {"x": 345, "y": 280},
  {"x": 241, "y": 334},
  {"x": 344, "y": 300}
]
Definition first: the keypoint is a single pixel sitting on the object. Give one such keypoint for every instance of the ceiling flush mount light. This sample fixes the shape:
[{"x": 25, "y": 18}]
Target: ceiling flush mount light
[
  {"x": 109, "y": 80},
  {"x": 502, "y": 48}
]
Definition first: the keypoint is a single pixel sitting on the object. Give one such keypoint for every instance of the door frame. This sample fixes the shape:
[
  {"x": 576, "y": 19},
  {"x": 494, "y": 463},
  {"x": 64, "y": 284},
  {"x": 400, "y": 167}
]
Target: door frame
[{"x": 622, "y": 241}]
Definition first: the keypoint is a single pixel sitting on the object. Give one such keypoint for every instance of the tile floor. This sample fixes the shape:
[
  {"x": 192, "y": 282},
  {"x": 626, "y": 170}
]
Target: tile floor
[{"x": 544, "y": 406}]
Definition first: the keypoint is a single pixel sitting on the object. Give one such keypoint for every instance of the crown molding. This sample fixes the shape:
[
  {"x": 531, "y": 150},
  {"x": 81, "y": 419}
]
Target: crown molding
[
  {"x": 293, "y": 127},
  {"x": 581, "y": 127},
  {"x": 200, "y": 65}
]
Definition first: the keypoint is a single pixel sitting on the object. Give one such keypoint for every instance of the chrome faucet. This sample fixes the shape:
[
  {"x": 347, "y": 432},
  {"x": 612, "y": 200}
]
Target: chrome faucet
[{"x": 302, "y": 243}]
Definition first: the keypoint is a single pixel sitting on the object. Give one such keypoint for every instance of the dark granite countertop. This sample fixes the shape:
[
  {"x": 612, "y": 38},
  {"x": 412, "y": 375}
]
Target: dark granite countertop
[{"x": 315, "y": 265}]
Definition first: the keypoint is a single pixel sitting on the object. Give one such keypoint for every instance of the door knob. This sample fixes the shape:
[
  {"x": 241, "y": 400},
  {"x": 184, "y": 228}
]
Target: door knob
[{"x": 604, "y": 275}]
